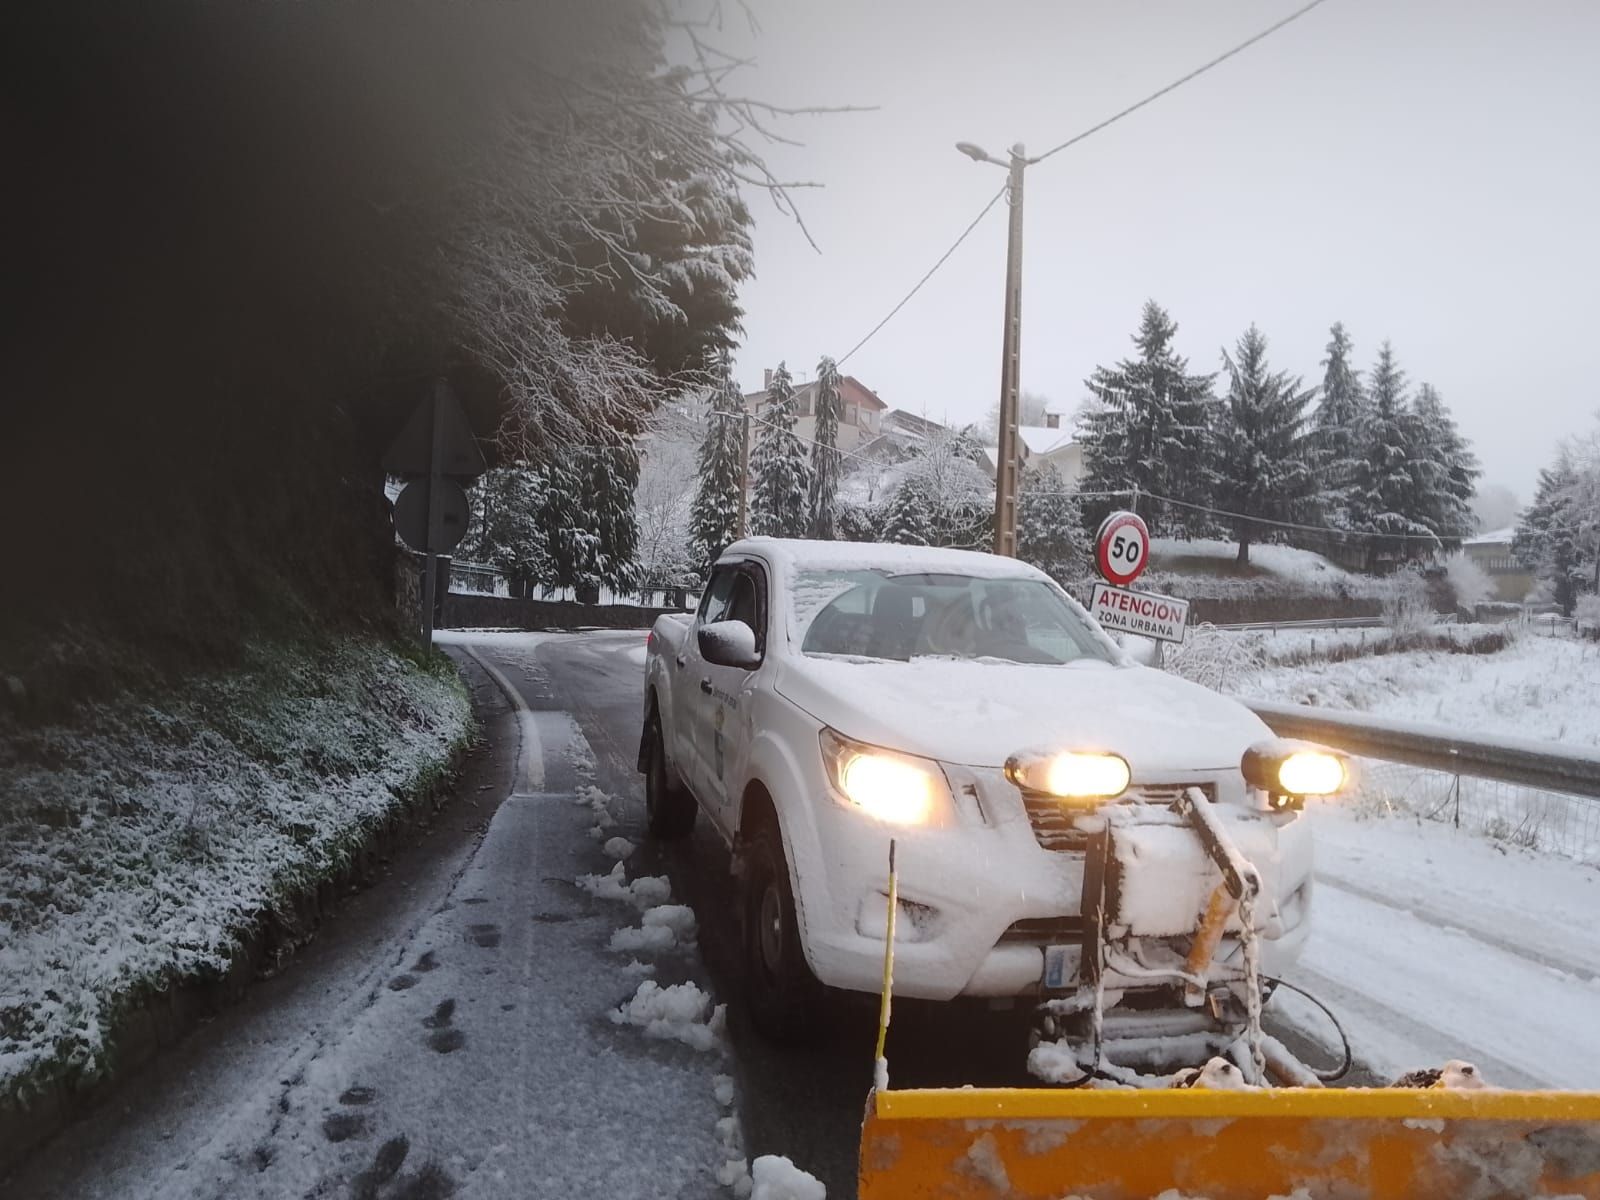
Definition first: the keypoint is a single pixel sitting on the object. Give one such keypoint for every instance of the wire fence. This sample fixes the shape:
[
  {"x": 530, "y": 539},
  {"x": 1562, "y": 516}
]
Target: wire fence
[{"x": 1528, "y": 817}]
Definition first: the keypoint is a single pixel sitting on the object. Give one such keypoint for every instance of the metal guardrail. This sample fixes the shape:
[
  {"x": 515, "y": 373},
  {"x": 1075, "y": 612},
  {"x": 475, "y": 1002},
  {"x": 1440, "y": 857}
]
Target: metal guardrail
[
  {"x": 1526, "y": 762},
  {"x": 1329, "y": 623}
]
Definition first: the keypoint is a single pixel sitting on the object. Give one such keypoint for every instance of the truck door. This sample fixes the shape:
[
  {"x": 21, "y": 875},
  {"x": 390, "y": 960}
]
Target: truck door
[
  {"x": 730, "y": 690},
  {"x": 691, "y": 702}
]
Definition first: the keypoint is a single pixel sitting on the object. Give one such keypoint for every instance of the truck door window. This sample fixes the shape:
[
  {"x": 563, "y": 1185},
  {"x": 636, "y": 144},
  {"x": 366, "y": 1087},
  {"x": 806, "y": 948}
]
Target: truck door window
[
  {"x": 746, "y": 605},
  {"x": 714, "y": 604}
]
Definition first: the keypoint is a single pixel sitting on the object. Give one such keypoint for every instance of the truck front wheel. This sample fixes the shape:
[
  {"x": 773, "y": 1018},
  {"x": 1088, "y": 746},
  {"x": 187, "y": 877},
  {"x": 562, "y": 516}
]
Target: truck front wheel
[
  {"x": 669, "y": 808},
  {"x": 783, "y": 994}
]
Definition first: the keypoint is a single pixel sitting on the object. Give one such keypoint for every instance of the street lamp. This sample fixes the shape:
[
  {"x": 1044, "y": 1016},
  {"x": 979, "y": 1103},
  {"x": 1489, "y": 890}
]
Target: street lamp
[{"x": 1006, "y": 472}]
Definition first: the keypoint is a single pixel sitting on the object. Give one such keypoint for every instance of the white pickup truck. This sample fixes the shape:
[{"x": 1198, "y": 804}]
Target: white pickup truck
[{"x": 827, "y": 697}]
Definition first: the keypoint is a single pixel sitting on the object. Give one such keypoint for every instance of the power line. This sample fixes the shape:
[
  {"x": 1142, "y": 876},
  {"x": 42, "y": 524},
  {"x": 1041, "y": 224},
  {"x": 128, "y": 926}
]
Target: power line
[
  {"x": 992, "y": 202},
  {"x": 1178, "y": 83}
]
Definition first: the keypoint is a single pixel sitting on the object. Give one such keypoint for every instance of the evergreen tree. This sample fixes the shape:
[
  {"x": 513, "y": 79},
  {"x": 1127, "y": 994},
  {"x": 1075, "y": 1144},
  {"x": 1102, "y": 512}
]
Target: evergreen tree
[
  {"x": 906, "y": 517},
  {"x": 586, "y": 515},
  {"x": 1154, "y": 429},
  {"x": 1050, "y": 529},
  {"x": 1445, "y": 467},
  {"x": 1386, "y": 498},
  {"x": 1265, "y": 450},
  {"x": 825, "y": 458},
  {"x": 780, "y": 506},
  {"x": 1547, "y": 537},
  {"x": 1338, "y": 427},
  {"x": 715, "y": 518},
  {"x": 504, "y": 527}
]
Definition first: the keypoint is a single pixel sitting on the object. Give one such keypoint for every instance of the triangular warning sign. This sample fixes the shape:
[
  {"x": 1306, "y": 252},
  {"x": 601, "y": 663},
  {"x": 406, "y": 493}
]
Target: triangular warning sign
[{"x": 459, "y": 456}]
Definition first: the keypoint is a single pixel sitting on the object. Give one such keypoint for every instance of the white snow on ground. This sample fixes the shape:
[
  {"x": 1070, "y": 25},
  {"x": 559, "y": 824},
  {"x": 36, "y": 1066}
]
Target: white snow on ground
[
  {"x": 680, "y": 1012},
  {"x": 1539, "y": 687},
  {"x": 655, "y": 940},
  {"x": 618, "y": 848},
  {"x": 1431, "y": 944},
  {"x": 645, "y": 891},
  {"x": 776, "y": 1178},
  {"x": 140, "y": 843}
]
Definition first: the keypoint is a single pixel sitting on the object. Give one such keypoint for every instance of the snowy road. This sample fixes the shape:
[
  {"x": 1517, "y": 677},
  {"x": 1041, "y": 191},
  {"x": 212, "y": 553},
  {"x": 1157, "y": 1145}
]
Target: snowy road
[{"x": 450, "y": 1032}]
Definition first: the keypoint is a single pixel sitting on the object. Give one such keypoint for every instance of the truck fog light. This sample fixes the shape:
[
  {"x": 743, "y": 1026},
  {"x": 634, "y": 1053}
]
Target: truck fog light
[
  {"x": 1288, "y": 771},
  {"x": 1073, "y": 775},
  {"x": 889, "y": 787}
]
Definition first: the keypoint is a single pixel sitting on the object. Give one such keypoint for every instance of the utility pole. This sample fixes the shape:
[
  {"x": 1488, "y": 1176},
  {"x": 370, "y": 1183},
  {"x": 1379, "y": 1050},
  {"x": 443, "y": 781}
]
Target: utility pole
[
  {"x": 1007, "y": 466},
  {"x": 1006, "y": 470},
  {"x": 744, "y": 472}
]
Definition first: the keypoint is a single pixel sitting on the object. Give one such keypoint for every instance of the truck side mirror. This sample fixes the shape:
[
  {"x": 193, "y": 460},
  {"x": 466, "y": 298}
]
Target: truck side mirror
[{"x": 729, "y": 644}]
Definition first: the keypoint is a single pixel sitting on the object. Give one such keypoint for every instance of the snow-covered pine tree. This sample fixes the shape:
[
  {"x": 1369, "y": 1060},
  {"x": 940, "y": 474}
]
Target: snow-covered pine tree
[
  {"x": 780, "y": 504},
  {"x": 715, "y": 519},
  {"x": 1547, "y": 539},
  {"x": 504, "y": 526},
  {"x": 1050, "y": 529},
  {"x": 1386, "y": 500},
  {"x": 1446, "y": 469},
  {"x": 1337, "y": 428},
  {"x": 1153, "y": 427},
  {"x": 906, "y": 515},
  {"x": 1265, "y": 449},
  {"x": 825, "y": 459}
]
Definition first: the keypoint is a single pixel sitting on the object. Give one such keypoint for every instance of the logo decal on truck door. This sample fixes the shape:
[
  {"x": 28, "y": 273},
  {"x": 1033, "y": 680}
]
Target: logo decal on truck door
[{"x": 716, "y": 739}]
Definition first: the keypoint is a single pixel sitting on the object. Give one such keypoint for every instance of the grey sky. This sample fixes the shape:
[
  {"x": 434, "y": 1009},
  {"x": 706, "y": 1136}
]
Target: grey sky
[{"x": 1424, "y": 171}]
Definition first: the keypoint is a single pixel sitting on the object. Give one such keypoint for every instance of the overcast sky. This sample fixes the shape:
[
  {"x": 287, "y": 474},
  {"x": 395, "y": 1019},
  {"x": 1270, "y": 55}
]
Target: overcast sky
[{"x": 1421, "y": 170}]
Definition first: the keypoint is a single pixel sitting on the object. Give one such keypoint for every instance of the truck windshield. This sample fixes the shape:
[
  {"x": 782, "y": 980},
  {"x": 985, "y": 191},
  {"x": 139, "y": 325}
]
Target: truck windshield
[{"x": 875, "y": 614}]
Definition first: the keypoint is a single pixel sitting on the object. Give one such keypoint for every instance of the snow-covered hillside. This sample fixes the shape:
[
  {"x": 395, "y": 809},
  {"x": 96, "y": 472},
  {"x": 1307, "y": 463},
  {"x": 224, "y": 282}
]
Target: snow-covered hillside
[{"x": 142, "y": 838}]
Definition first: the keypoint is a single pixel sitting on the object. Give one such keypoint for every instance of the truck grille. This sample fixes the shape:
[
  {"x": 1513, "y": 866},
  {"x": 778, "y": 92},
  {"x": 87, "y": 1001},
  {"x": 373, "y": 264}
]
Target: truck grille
[
  {"x": 1055, "y": 828},
  {"x": 1043, "y": 931}
]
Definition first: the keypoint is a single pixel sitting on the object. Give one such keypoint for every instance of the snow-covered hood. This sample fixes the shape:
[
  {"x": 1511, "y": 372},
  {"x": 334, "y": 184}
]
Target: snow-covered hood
[{"x": 979, "y": 713}]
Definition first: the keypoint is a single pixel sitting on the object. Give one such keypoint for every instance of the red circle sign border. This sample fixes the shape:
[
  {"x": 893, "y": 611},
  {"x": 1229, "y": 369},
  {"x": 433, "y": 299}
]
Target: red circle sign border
[{"x": 1102, "y": 547}]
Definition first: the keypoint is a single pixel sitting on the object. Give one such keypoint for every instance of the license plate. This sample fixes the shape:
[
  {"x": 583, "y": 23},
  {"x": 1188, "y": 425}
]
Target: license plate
[{"x": 1060, "y": 967}]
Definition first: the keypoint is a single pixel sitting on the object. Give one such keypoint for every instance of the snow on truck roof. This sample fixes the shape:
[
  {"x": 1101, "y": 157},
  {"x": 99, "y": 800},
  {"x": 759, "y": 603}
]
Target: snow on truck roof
[{"x": 805, "y": 555}]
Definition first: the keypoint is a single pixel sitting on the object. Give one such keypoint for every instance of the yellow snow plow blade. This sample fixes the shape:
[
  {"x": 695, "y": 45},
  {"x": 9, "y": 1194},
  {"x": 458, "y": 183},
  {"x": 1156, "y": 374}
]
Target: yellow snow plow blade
[{"x": 1331, "y": 1144}]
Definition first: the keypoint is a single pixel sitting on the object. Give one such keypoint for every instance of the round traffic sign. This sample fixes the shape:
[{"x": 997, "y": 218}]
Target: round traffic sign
[
  {"x": 411, "y": 516},
  {"x": 1122, "y": 547}
]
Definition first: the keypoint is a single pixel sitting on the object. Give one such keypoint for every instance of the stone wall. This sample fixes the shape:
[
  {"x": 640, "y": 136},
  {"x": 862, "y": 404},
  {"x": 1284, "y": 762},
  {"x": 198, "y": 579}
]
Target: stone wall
[{"x": 469, "y": 611}]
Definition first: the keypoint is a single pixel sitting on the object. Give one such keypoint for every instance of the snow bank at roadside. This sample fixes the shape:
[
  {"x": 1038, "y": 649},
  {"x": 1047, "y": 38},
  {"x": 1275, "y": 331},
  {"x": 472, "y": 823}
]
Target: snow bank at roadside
[
  {"x": 680, "y": 1012},
  {"x": 141, "y": 839}
]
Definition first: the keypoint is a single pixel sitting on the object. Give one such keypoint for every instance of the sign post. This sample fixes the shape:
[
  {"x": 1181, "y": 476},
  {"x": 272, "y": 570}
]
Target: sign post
[
  {"x": 1122, "y": 552},
  {"x": 436, "y": 451}
]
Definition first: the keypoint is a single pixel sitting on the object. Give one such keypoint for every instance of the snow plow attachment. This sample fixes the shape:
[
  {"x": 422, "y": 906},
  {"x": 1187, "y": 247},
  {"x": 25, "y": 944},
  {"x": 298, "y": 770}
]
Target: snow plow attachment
[{"x": 1313, "y": 1143}]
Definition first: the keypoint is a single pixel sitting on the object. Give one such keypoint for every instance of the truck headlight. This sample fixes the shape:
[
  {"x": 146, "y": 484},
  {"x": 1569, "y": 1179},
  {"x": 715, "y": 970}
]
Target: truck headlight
[
  {"x": 1081, "y": 775},
  {"x": 898, "y": 789},
  {"x": 1288, "y": 771}
]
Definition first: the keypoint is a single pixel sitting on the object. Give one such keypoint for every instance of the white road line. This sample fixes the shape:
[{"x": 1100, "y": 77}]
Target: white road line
[{"x": 530, "y": 757}]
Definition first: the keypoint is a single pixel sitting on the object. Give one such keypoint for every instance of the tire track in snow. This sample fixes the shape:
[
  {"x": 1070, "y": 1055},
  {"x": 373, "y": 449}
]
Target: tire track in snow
[
  {"x": 1475, "y": 932},
  {"x": 529, "y": 777}
]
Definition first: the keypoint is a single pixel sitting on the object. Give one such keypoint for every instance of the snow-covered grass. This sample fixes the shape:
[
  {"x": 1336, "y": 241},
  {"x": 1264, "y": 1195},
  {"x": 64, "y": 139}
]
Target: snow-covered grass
[
  {"x": 1206, "y": 569},
  {"x": 144, "y": 835}
]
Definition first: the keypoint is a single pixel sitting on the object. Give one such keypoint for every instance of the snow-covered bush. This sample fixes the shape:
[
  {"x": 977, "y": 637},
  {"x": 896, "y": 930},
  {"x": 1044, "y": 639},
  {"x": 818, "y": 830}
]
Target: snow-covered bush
[
  {"x": 1217, "y": 658},
  {"x": 1469, "y": 581},
  {"x": 1405, "y": 607}
]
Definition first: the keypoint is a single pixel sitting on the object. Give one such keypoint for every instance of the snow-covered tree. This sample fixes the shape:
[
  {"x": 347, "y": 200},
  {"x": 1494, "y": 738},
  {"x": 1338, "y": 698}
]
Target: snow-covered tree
[
  {"x": 1338, "y": 428},
  {"x": 664, "y": 499},
  {"x": 1050, "y": 528},
  {"x": 825, "y": 459},
  {"x": 1445, "y": 468},
  {"x": 1152, "y": 426},
  {"x": 715, "y": 516},
  {"x": 1386, "y": 499},
  {"x": 504, "y": 528},
  {"x": 780, "y": 503},
  {"x": 586, "y": 516},
  {"x": 1265, "y": 457},
  {"x": 1547, "y": 540},
  {"x": 941, "y": 496}
]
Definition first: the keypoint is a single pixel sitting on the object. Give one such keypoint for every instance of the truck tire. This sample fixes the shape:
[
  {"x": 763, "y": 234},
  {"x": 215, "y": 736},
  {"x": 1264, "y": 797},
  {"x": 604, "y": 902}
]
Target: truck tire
[
  {"x": 669, "y": 808},
  {"x": 783, "y": 995}
]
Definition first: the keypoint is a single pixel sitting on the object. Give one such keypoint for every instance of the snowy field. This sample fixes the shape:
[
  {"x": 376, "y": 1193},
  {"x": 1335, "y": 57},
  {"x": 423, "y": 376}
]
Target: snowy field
[
  {"x": 1432, "y": 944},
  {"x": 140, "y": 842},
  {"x": 1538, "y": 687}
]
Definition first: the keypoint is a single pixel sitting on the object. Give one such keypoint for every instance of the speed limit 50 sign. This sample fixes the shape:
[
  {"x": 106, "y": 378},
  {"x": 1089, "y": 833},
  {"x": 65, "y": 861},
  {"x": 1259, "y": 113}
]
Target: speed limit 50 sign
[{"x": 1122, "y": 547}]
